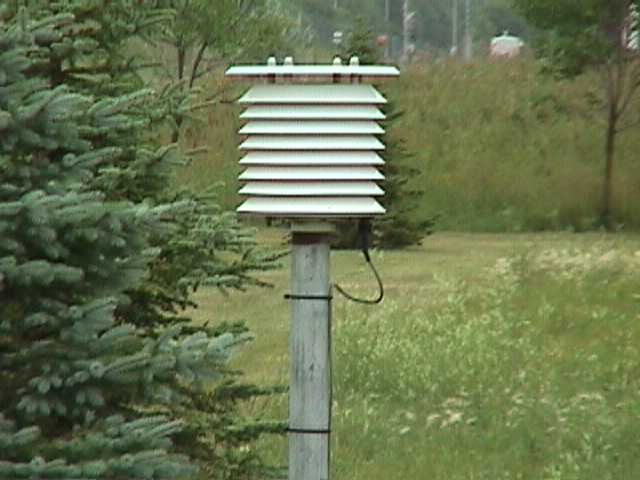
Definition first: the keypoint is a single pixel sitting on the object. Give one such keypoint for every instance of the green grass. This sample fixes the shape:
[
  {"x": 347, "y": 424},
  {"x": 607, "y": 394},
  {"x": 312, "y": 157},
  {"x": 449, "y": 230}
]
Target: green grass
[{"x": 492, "y": 357}]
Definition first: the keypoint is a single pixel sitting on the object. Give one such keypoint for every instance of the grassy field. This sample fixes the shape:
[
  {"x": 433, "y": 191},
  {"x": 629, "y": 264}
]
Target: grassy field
[{"x": 492, "y": 357}]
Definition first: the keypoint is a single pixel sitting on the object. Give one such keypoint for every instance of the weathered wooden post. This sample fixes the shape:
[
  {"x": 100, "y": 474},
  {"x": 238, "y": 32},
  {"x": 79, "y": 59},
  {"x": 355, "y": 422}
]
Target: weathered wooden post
[
  {"x": 468, "y": 31},
  {"x": 311, "y": 157},
  {"x": 310, "y": 353}
]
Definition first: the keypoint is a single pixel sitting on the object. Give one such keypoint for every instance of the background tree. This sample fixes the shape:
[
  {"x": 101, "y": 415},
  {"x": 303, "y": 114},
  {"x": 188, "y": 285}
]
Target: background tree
[
  {"x": 593, "y": 36},
  {"x": 360, "y": 42},
  {"x": 202, "y": 33},
  {"x": 203, "y": 36},
  {"x": 496, "y": 16}
]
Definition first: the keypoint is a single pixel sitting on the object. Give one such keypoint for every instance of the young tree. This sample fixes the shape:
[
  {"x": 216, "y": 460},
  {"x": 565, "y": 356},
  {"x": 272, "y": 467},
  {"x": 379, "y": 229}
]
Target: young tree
[
  {"x": 203, "y": 35},
  {"x": 402, "y": 225},
  {"x": 202, "y": 31},
  {"x": 594, "y": 35}
]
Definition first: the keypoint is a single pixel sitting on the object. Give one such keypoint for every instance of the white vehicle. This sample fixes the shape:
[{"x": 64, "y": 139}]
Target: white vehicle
[{"x": 506, "y": 45}]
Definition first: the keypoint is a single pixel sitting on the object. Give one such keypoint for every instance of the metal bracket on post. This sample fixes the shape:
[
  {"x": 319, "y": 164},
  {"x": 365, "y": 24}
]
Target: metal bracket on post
[
  {"x": 318, "y": 228},
  {"x": 290, "y": 296}
]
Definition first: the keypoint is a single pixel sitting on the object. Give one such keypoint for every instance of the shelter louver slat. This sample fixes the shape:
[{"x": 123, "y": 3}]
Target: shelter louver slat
[
  {"x": 306, "y": 189},
  {"x": 315, "y": 142},
  {"x": 311, "y": 158},
  {"x": 312, "y": 112},
  {"x": 313, "y": 94},
  {"x": 313, "y": 207},
  {"x": 311, "y": 127},
  {"x": 311, "y": 173}
]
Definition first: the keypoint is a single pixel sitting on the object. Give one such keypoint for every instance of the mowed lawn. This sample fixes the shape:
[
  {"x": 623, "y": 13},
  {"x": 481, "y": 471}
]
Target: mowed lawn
[{"x": 491, "y": 357}]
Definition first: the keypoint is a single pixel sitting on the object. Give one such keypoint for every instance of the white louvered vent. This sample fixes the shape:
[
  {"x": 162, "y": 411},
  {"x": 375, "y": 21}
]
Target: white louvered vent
[{"x": 312, "y": 149}]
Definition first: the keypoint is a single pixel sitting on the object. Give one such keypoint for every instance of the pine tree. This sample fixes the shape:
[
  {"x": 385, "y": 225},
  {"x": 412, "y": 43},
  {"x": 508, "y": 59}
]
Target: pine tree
[
  {"x": 401, "y": 225},
  {"x": 97, "y": 255},
  {"x": 360, "y": 42},
  {"x": 71, "y": 373},
  {"x": 204, "y": 246}
]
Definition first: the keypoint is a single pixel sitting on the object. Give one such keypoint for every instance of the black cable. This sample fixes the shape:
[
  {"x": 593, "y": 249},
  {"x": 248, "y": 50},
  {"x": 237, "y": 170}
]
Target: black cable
[{"x": 364, "y": 236}]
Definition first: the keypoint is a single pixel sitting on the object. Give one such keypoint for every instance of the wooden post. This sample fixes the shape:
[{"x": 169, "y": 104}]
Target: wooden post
[
  {"x": 468, "y": 32},
  {"x": 387, "y": 19},
  {"x": 405, "y": 31},
  {"x": 310, "y": 354},
  {"x": 454, "y": 28}
]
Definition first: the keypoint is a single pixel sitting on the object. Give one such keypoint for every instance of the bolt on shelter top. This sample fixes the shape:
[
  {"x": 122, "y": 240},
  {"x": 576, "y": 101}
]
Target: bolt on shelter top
[{"x": 311, "y": 143}]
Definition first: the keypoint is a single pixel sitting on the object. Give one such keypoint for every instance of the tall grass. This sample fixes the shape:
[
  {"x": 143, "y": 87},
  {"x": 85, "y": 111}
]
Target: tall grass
[
  {"x": 492, "y": 357},
  {"x": 532, "y": 375},
  {"x": 500, "y": 147}
]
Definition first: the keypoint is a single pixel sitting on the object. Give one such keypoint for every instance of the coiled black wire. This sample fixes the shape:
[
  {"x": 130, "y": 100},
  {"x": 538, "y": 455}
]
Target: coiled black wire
[{"x": 364, "y": 238}]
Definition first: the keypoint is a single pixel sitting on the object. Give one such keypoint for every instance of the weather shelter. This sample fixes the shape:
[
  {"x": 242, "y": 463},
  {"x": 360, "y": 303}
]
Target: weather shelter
[
  {"x": 311, "y": 154},
  {"x": 311, "y": 146}
]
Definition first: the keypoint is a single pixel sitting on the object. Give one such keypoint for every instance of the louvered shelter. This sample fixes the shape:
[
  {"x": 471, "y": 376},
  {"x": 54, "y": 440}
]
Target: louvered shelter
[
  {"x": 311, "y": 154},
  {"x": 311, "y": 140}
]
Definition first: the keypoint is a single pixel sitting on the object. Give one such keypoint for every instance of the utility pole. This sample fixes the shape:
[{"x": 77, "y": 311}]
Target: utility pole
[
  {"x": 408, "y": 25},
  {"x": 454, "y": 28},
  {"x": 387, "y": 19},
  {"x": 468, "y": 33}
]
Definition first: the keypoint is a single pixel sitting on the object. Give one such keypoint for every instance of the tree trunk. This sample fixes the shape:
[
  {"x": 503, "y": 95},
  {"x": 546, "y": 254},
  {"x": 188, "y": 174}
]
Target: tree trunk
[
  {"x": 196, "y": 64},
  {"x": 616, "y": 73},
  {"x": 607, "y": 190},
  {"x": 182, "y": 55}
]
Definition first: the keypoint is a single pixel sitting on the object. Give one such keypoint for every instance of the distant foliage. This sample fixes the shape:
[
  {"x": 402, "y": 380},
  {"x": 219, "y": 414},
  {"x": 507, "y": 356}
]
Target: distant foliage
[
  {"x": 404, "y": 224},
  {"x": 529, "y": 162}
]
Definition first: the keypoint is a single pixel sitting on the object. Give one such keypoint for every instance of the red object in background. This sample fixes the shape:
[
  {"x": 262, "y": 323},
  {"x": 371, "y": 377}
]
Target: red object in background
[{"x": 382, "y": 40}]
